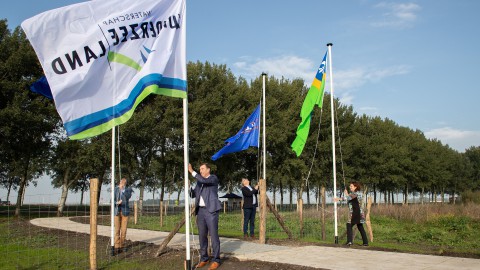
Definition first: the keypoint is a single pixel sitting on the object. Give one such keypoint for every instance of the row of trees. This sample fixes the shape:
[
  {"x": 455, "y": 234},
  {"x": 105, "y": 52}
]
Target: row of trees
[{"x": 382, "y": 155}]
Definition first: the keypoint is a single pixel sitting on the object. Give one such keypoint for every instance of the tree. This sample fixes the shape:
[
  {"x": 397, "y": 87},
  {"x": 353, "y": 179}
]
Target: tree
[{"x": 28, "y": 120}]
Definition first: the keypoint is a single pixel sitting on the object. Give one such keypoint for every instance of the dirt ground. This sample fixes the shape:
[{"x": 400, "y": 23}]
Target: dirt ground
[{"x": 139, "y": 253}]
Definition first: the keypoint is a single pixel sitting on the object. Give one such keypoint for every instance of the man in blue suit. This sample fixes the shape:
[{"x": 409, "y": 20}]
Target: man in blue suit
[{"x": 207, "y": 208}]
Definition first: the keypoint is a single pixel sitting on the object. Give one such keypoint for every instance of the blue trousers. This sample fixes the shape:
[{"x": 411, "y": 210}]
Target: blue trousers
[
  {"x": 207, "y": 223},
  {"x": 249, "y": 218}
]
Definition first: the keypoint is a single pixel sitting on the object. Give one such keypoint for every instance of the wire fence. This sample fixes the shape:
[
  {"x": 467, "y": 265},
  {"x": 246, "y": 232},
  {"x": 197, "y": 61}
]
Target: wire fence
[{"x": 64, "y": 242}]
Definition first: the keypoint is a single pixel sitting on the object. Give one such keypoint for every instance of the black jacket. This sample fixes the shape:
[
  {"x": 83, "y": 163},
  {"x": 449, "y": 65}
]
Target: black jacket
[{"x": 248, "y": 197}]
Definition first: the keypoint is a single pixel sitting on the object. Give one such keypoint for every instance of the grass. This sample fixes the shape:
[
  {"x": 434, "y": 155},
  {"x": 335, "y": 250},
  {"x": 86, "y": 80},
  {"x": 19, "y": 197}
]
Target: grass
[
  {"x": 25, "y": 246},
  {"x": 424, "y": 229}
]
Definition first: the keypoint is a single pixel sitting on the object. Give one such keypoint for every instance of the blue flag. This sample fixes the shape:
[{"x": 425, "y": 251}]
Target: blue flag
[
  {"x": 246, "y": 137},
  {"x": 41, "y": 87}
]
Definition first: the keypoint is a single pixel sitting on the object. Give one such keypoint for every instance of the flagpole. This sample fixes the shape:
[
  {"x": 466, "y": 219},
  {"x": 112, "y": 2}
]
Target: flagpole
[
  {"x": 329, "y": 45},
  {"x": 185, "y": 167},
  {"x": 112, "y": 186},
  {"x": 264, "y": 131}
]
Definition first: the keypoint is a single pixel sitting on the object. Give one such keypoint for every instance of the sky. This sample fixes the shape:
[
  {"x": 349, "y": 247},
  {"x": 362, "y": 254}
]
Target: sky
[{"x": 414, "y": 62}]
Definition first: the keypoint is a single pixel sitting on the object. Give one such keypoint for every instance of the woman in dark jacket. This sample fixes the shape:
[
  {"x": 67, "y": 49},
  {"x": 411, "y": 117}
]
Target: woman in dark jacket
[{"x": 357, "y": 215}]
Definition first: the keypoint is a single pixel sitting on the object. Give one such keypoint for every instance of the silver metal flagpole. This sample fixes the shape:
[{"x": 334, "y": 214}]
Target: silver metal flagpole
[
  {"x": 329, "y": 45},
  {"x": 185, "y": 167},
  {"x": 112, "y": 184}
]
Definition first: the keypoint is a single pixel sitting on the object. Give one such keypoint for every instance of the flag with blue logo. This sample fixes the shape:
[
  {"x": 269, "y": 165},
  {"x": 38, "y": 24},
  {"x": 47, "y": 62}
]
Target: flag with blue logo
[
  {"x": 246, "y": 137},
  {"x": 102, "y": 58}
]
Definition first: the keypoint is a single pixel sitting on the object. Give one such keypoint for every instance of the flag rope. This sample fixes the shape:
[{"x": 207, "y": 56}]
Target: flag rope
[
  {"x": 340, "y": 148},
  {"x": 316, "y": 147}
]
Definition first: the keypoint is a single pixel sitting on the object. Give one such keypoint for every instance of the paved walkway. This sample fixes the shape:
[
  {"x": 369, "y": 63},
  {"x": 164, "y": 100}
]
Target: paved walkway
[{"x": 312, "y": 256}]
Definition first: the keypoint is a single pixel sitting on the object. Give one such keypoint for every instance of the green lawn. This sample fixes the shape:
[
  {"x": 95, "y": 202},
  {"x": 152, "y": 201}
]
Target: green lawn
[
  {"x": 440, "y": 230},
  {"x": 446, "y": 234}
]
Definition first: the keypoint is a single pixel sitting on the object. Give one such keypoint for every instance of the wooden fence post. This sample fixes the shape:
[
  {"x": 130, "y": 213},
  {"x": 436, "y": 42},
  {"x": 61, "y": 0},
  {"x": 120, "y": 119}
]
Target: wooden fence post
[
  {"x": 324, "y": 205},
  {"x": 300, "y": 213},
  {"x": 135, "y": 212},
  {"x": 263, "y": 210},
  {"x": 161, "y": 213},
  {"x": 93, "y": 222},
  {"x": 367, "y": 218}
]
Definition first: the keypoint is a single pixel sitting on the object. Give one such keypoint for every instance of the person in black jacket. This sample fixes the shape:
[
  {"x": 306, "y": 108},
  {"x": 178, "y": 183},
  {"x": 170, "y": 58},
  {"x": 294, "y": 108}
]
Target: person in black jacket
[
  {"x": 249, "y": 207},
  {"x": 357, "y": 213}
]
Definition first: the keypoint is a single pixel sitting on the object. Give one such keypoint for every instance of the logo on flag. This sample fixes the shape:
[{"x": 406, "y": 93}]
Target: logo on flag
[{"x": 102, "y": 58}]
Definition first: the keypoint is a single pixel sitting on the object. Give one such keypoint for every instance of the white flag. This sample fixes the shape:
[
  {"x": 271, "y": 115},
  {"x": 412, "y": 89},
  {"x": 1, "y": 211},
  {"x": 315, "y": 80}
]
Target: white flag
[{"x": 102, "y": 58}]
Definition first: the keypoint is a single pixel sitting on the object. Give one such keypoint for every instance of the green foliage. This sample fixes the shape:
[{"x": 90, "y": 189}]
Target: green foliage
[{"x": 384, "y": 156}]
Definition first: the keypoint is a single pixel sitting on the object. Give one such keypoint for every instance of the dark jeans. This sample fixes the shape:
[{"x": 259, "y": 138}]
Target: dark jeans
[
  {"x": 249, "y": 218},
  {"x": 360, "y": 229}
]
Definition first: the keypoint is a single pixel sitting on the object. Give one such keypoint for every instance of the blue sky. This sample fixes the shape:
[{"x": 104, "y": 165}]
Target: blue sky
[{"x": 415, "y": 62}]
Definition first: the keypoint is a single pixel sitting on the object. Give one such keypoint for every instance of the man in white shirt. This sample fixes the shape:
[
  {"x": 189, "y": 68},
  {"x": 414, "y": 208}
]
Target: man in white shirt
[
  {"x": 207, "y": 208},
  {"x": 249, "y": 207}
]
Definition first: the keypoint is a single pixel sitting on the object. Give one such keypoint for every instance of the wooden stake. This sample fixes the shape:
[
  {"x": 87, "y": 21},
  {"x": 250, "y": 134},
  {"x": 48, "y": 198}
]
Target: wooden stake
[
  {"x": 243, "y": 215},
  {"x": 279, "y": 219},
  {"x": 367, "y": 219},
  {"x": 163, "y": 246},
  {"x": 300, "y": 213},
  {"x": 263, "y": 210},
  {"x": 135, "y": 212},
  {"x": 161, "y": 213},
  {"x": 324, "y": 203},
  {"x": 93, "y": 222}
]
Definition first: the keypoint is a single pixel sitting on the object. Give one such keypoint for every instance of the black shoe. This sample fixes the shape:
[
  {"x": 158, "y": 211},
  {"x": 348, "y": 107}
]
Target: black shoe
[
  {"x": 365, "y": 245},
  {"x": 348, "y": 244}
]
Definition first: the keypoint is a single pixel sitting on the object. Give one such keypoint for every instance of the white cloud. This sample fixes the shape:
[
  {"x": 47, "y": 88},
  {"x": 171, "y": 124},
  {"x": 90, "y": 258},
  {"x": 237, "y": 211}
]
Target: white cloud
[
  {"x": 455, "y": 138},
  {"x": 288, "y": 66},
  {"x": 397, "y": 15},
  {"x": 292, "y": 67}
]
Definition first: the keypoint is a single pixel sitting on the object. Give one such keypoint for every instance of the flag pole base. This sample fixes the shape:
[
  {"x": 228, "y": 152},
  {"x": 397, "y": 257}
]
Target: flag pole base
[
  {"x": 112, "y": 251},
  {"x": 188, "y": 265},
  {"x": 336, "y": 239}
]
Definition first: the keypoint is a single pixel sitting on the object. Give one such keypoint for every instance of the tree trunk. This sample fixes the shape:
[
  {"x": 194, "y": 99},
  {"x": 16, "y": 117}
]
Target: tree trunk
[
  {"x": 10, "y": 183},
  {"x": 422, "y": 195},
  {"x": 274, "y": 197},
  {"x": 291, "y": 196},
  {"x": 374, "y": 194},
  {"x": 281, "y": 194},
  {"x": 308, "y": 194},
  {"x": 443, "y": 195},
  {"x": 23, "y": 193},
  {"x": 23, "y": 182},
  {"x": 63, "y": 197},
  {"x": 81, "y": 197}
]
